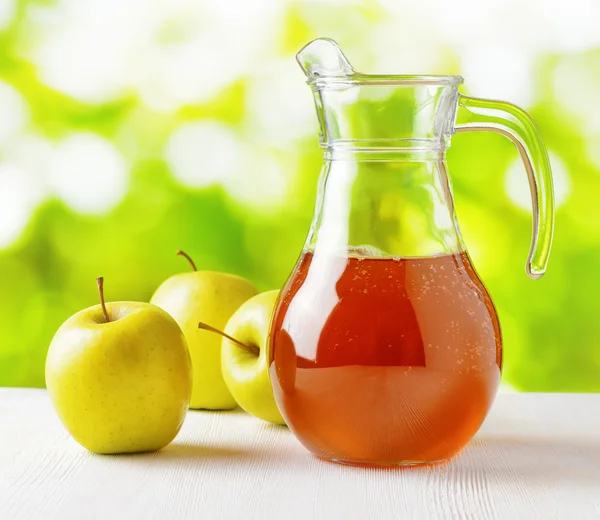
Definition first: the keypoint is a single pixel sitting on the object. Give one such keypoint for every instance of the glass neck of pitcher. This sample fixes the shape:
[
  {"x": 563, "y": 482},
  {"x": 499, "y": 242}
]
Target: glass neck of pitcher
[
  {"x": 384, "y": 186},
  {"x": 384, "y": 203}
]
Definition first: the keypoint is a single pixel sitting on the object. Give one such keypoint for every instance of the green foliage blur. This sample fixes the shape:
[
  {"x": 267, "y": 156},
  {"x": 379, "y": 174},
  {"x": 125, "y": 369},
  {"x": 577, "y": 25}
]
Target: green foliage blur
[{"x": 254, "y": 223}]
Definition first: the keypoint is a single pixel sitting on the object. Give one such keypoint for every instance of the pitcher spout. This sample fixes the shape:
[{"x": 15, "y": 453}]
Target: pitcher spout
[{"x": 323, "y": 57}]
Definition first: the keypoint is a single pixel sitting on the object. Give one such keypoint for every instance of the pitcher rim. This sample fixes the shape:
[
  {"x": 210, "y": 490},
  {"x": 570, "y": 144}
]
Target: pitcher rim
[{"x": 433, "y": 80}]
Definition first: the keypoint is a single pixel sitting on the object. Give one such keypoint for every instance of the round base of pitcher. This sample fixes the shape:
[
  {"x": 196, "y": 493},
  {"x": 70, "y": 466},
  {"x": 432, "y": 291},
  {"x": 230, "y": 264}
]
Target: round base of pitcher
[{"x": 384, "y": 464}]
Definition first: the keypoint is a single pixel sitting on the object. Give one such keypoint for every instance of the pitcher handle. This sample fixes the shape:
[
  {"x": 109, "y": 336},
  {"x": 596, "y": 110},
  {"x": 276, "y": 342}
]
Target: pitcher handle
[{"x": 516, "y": 124}]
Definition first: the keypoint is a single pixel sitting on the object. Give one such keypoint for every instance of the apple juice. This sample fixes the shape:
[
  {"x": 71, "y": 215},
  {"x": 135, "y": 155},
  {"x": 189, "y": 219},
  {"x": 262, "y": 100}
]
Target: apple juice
[{"x": 384, "y": 360}]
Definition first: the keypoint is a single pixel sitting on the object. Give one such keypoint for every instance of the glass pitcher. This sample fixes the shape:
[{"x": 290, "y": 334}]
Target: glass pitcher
[{"x": 385, "y": 347}]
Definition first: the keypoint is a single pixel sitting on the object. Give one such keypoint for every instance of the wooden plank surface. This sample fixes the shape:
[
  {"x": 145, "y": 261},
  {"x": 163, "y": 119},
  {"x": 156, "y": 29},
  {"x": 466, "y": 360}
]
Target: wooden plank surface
[{"x": 537, "y": 456}]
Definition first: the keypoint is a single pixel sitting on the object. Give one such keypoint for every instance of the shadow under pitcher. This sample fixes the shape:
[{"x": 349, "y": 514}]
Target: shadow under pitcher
[{"x": 385, "y": 347}]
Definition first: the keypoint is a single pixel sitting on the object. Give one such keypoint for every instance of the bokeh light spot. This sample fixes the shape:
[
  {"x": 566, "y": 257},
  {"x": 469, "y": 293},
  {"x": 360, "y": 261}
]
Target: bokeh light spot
[
  {"x": 263, "y": 184},
  {"x": 498, "y": 71},
  {"x": 14, "y": 113},
  {"x": 18, "y": 199},
  {"x": 204, "y": 153},
  {"x": 517, "y": 185},
  {"x": 7, "y": 12},
  {"x": 277, "y": 88},
  {"x": 88, "y": 173}
]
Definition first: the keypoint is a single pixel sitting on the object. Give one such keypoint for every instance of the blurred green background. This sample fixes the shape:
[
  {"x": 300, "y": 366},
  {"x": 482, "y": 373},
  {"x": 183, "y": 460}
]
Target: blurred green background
[{"x": 131, "y": 129}]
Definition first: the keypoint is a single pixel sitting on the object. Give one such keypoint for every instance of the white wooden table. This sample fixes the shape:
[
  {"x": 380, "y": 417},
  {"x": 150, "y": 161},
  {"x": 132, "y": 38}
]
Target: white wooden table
[{"x": 537, "y": 456}]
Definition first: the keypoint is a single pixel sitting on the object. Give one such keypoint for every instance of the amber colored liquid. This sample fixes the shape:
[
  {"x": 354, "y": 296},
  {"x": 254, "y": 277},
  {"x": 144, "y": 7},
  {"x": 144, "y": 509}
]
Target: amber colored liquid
[{"x": 385, "y": 361}]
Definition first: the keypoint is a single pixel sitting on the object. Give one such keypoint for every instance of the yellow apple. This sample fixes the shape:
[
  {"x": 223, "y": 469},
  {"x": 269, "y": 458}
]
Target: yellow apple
[
  {"x": 121, "y": 384},
  {"x": 210, "y": 297},
  {"x": 245, "y": 365}
]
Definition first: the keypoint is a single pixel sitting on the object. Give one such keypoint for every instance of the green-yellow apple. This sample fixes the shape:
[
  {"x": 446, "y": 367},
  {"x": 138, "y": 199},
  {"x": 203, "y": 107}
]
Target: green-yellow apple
[
  {"x": 210, "y": 297},
  {"x": 245, "y": 361},
  {"x": 119, "y": 377}
]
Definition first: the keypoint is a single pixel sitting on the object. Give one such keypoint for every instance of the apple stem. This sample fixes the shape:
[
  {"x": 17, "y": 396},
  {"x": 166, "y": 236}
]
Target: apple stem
[
  {"x": 188, "y": 258},
  {"x": 100, "y": 282},
  {"x": 248, "y": 348}
]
